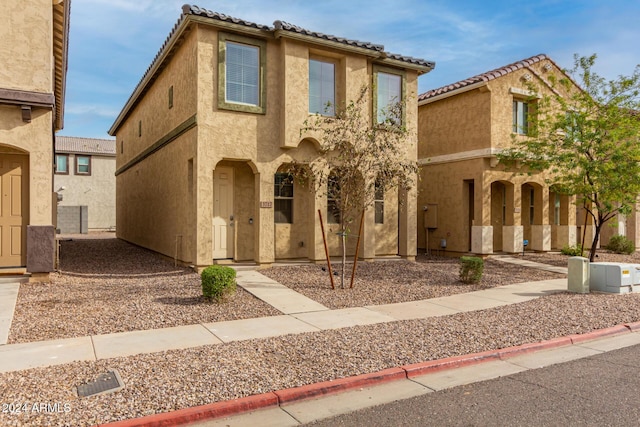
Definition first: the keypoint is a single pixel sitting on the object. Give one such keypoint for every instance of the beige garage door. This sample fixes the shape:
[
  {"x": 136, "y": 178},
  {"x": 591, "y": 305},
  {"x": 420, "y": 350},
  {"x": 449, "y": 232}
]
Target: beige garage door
[{"x": 13, "y": 210}]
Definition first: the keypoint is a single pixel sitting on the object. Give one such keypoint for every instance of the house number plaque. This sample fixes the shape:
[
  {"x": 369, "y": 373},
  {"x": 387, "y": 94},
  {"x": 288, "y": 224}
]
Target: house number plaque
[{"x": 267, "y": 205}]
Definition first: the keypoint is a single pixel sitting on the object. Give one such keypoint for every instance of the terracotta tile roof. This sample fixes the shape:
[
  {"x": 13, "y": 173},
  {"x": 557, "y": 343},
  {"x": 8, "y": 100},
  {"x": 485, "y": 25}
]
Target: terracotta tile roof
[
  {"x": 192, "y": 10},
  {"x": 281, "y": 25},
  {"x": 71, "y": 144},
  {"x": 484, "y": 77},
  {"x": 188, "y": 9}
]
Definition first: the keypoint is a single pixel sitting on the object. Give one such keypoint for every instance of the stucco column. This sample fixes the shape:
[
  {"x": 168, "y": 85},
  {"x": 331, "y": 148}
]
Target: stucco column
[
  {"x": 541, "y": 230},
  {"x": 264, "y": 228},
  {"x": 367, "y": 249},
  {"x": 512, "y": 234},
  {"x": 317, "y": 203},
  {"x": 408, "y": 222},
  {"x": 482, "y": 231}
]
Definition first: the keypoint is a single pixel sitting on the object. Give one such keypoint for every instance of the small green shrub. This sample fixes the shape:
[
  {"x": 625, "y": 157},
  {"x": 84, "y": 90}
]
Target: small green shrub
[
  {"x": 621, "y": 245},
  {"x": 575, "y": 250},
  {"x": 218, "y": 282},
  {"x": 471, "y": 269}
]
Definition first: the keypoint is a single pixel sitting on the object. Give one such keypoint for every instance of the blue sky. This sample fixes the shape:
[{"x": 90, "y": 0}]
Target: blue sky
[{"x": 112, "y": 42}]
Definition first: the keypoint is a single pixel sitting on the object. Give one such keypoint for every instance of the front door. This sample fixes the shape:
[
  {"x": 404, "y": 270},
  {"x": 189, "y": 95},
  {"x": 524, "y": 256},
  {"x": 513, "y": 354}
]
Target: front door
[
  {"x": 223, "y": 235},
  {"x": 13, "y": 210}
]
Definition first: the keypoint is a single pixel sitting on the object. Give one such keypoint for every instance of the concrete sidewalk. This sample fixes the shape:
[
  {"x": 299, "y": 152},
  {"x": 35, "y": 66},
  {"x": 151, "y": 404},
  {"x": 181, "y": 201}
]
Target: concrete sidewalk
[
  {"x": 301, "y": 315},
  {"x": 306, "y": 404}
]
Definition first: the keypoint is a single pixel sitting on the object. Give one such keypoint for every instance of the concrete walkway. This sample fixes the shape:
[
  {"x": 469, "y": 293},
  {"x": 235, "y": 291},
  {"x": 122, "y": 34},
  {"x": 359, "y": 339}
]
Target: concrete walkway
[{"x": 301, "y": 315}]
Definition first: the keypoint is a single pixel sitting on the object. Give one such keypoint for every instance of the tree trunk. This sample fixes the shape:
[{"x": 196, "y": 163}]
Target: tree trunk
[
  {"x": 594, "y": 244},
  {"x": 343, "y": 240}
]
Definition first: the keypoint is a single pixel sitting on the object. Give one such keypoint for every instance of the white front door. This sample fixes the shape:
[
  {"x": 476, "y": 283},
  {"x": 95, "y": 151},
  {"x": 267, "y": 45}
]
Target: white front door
[{"x": 223, "y": 235}]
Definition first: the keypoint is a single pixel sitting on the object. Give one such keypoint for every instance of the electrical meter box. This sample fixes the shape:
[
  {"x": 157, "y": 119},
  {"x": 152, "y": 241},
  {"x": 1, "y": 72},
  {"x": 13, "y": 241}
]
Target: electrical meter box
[{"x": 614, "y": 277}]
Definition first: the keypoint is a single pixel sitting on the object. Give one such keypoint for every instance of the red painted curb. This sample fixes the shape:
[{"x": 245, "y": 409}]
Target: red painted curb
[
  {"x": 276, "y": 398},
  {"x": 341, "y": 384},
  {"x": 199, "y": 413},
  {"x": 633, "y": 326},
  {"x": 599, "y": 333},
  {"x": 431, "y": 366},
  {"x": 534, "y": 346}
]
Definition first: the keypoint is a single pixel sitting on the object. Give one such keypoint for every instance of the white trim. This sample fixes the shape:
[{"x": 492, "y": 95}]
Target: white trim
[{"x": 456, "y": 157}]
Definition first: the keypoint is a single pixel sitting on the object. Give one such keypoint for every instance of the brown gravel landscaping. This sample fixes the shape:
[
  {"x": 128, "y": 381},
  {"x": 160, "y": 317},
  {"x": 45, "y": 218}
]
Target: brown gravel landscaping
[
  {"x": 109, "y": 285},
  {"x": 177, "y": 379},
  {"x": 387, "y": 282}
]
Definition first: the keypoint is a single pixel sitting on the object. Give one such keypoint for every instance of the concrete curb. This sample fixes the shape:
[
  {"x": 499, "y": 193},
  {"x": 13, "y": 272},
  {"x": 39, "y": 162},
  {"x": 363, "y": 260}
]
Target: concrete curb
[{"x": 310, "y": 391}]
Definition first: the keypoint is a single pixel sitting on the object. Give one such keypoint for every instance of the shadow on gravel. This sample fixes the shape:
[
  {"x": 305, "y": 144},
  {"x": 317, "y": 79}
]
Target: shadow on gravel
[
  {"x": 184, "y": 301},
  {"x": 114, "y": 258}
]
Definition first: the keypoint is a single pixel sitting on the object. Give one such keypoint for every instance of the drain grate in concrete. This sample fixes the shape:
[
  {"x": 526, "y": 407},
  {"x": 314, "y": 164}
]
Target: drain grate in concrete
[{"x": 105, "y": 383}]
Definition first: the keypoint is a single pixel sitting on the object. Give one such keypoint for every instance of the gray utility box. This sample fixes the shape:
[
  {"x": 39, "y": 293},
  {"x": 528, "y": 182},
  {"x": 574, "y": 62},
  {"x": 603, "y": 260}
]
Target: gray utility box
[{"x": 614, "y": 277}]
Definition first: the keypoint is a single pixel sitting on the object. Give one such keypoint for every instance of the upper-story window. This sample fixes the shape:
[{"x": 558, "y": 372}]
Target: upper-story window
[
  {"x": 83, "y": 165},
  {"x": 322, "y": 87},
  {"x": 62, "y": 164},
  {"x": 520, "y": 117},
  {"x": 241, "y": 74},
  {"x": 388, "y": 95}
]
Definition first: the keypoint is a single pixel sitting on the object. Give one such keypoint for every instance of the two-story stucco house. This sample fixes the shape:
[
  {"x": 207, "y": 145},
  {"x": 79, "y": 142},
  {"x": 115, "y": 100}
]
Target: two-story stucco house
[
  {"x": 86, "y": 183},
  {"x": 485, "y": 208},
  {"x": 33, "y": 66},
  {"x": 203, "y": 141}
]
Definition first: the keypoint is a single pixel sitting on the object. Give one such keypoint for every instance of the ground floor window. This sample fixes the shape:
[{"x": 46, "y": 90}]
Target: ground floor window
[{"x": 283, "y": 198}]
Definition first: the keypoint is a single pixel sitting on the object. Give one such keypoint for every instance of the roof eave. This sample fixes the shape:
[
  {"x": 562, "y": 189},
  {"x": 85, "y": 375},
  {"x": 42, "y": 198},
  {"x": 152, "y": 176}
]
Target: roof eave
[
  {"x": 327, "y": 43},
  {"x": 61, "y": 14},
  {"x": 420, "y": 68},
  {"x": 452, "y": 93}
]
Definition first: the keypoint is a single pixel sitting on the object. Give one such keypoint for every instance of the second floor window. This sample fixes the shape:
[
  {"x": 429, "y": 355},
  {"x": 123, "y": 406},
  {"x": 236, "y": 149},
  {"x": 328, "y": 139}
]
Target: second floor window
[
  {"x": 520, "y": 117},
  {"x": 62, "y": 164},
  {"x": 389, "y": 94},
  {"x": 83, "y": 165},
  {"x": 322, "y": 90},
  {"x": 243, "y": 74}
]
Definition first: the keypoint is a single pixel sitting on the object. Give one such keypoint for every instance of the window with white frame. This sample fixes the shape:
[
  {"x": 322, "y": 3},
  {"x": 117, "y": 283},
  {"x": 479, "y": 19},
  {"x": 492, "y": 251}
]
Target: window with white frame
[
  {"x": 520, "y": 117},
  {"x": 241, "y": 62},
  {"x": 388, "y": 95},
  {"x": 62, "y": 164},
  {"x": 322, "y": 87},
  {"x": 283, "y": 198},
  {"x": 83, "y": 165}
]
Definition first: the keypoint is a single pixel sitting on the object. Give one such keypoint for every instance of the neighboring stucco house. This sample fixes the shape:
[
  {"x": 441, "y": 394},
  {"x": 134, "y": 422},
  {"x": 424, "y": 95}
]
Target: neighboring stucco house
[
  {"x": 202, "y": 141},
  {"x": 33, "y": 66},
  {"x": 472, "y": 203},
  {"x": 86, "y": 183}
]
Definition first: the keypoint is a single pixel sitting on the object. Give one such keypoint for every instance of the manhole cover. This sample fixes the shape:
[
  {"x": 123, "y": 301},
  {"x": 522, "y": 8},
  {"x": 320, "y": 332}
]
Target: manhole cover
[{"x": 105, "y": 383}]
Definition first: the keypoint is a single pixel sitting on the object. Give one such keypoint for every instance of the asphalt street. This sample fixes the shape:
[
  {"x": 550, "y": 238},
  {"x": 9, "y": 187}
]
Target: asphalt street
[{"x": 601, "y": 390}]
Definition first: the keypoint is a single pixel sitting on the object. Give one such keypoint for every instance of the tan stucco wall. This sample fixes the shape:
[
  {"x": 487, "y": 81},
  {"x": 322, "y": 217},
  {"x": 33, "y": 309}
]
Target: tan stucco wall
[
  {"x": 250, "y": 143},
  {"x": 26, "y": 38},
  {"x": 96, "y": 191}
]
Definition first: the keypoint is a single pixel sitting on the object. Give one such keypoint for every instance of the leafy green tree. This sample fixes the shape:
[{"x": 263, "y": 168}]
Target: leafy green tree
[
  {"x": 355, "y": 154},
  {"x": 587, "y": 135}
]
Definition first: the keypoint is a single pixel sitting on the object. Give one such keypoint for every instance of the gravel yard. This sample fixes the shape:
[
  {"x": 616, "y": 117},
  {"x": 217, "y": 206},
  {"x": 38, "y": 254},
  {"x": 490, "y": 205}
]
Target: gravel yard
[
  {"x": 109, "y": 285},
  {"x": 388, "y": 282},
  {"x": 110, "y": 274}
]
